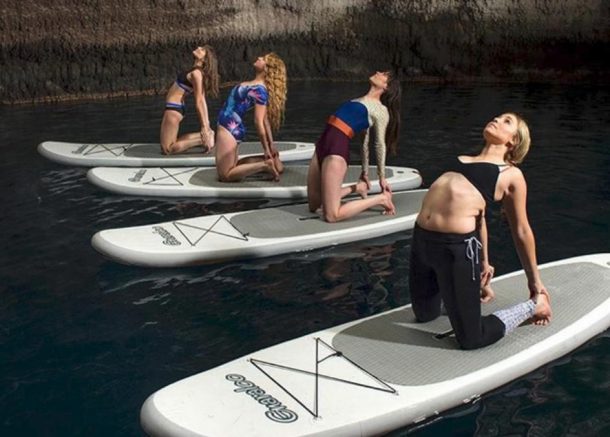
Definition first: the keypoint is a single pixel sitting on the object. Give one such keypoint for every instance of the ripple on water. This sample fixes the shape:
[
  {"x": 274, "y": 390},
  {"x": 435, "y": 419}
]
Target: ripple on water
[{"x": 86, "y": 340}]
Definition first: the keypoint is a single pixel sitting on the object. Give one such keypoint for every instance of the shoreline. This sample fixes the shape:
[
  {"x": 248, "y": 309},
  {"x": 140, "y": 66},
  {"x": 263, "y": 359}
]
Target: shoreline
[{"x": 539, "y": 79}]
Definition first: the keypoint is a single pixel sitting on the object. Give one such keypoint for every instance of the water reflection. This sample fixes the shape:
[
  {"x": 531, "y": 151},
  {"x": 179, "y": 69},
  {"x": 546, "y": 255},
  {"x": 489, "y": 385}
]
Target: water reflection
[{"x": 86, "y": 340}]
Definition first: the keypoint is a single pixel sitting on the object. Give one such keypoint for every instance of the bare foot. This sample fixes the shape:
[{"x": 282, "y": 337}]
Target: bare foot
[
  {"x": 361, "y": 189},
  {"x": 279, "y": 165},
  {"x": 387, "y": 204},
  {"x": 271, "y": 169},
  {"x": 542, "y": 313}
]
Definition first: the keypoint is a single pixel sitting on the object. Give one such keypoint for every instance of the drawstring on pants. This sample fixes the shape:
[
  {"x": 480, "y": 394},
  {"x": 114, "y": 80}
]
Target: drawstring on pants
[{"x": 472, "y": 252}]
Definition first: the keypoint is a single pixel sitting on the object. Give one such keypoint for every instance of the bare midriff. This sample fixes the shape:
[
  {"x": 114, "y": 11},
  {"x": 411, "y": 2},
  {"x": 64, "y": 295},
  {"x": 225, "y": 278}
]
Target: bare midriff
[
  {"x": 175, "y": 94},
  {"x": 452, "y": 205}
]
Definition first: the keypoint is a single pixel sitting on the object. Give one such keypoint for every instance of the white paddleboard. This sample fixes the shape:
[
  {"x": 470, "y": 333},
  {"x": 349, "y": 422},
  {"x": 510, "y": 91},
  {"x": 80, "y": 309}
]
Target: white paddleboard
[
  {"x": 203, "y": 182},
  {"x": 249, "y": 234},
  {"x": 149, "y": 154},
  {"x": 390, "y": 371}
]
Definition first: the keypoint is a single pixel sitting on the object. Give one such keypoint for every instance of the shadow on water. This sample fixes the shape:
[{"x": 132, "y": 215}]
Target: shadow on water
[{"x": 85, "y": 340}]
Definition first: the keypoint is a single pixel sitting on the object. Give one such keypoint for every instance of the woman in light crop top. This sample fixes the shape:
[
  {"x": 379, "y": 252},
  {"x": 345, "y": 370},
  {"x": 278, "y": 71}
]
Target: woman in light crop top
[
  {"x": 449, "y": 256},
  {"x": 266, "y": 93},
  {"x": 378, "y": 109},
  {"x": 200, "y": 80}
]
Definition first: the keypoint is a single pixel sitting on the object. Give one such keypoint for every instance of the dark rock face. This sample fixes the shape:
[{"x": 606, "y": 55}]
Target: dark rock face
[{"x": 51, "y": 49}]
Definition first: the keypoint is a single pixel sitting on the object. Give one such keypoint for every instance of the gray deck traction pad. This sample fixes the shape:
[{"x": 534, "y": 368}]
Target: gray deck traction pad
[
  {"x": 296, "y": 220},
  {"x": 293, "y": 176},
  {"x": 398, "y": 350},
  {"x": 154, "y": 150}
]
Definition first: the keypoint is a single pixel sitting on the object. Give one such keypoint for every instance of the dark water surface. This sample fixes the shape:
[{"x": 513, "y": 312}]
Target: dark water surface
[{"x": 84, "y": 341}]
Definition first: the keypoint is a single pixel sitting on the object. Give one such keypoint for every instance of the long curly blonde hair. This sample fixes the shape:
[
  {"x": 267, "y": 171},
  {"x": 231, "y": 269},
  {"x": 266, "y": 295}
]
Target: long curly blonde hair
[{"x": 276, "y": 80}]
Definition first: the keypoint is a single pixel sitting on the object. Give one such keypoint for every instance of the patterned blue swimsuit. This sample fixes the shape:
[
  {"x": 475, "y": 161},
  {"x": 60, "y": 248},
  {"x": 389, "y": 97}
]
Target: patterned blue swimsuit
[{"x": 240, "y": 100}]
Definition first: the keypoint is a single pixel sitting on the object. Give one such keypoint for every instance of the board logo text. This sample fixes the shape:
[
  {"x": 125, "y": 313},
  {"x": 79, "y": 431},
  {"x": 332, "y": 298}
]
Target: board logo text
[
  {"x": 168, "y": 238},
  {"x": 80, "y": 150},
  {"x": 276, "y": 411},
  {"x": 138, "y": 176}
]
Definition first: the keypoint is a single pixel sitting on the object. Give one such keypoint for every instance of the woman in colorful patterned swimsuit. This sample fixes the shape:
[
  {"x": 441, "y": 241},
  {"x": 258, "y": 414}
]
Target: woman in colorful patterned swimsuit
[
  {"x": 267, "y": 94},
  {"x": 379, "y": 108},
  {"x": 202, "y": 78}
]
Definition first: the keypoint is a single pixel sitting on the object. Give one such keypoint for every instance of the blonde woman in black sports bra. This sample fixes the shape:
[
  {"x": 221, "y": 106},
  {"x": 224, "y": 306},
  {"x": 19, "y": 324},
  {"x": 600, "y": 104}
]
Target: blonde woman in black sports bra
[
  {"x": 449, "y": 259},
  {"x": 200, "y": 80}
]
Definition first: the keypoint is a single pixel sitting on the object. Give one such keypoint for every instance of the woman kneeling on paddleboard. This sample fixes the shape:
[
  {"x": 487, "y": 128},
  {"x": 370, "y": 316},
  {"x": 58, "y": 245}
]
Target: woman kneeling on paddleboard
[
  {"x": 449, "y": 260},
  {"x": 202, "y": 78},
  {"x": 379, "y": 108},
  {"x": 267, "y": 94}
]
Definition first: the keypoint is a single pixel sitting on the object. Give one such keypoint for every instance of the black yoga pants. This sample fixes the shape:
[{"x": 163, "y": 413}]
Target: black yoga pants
[{"x": 445, "y": 266}]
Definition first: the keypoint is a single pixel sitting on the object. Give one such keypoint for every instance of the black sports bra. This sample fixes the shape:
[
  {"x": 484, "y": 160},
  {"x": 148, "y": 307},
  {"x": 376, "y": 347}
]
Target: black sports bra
[
  {"x": 483, "y": 175},
  {"x": 183, "y": 82}
]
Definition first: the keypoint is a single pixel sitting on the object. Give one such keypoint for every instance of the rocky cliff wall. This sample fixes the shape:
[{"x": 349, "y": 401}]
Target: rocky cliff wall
[{"x": 56, "y": 48}]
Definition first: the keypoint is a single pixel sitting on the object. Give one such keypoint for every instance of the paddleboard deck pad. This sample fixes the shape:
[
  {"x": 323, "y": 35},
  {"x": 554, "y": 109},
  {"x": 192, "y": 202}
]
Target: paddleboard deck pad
[
  {"x": 384, "y": 372},
  {"x": 249, "y": 234},
  {"x": 203, "y": 182},
  {"x": 149, "y": 154}
]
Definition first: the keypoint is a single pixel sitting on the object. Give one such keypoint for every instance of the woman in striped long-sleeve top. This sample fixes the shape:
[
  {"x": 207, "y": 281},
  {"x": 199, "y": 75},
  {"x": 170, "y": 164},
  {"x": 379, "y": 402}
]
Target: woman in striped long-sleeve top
[{"x": 378, "y": 109}]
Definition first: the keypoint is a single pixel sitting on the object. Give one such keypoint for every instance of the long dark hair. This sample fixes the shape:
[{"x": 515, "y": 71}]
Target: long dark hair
[
  {"x": 391, "y": 99},
  {"x": 209, "y": 69}
]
